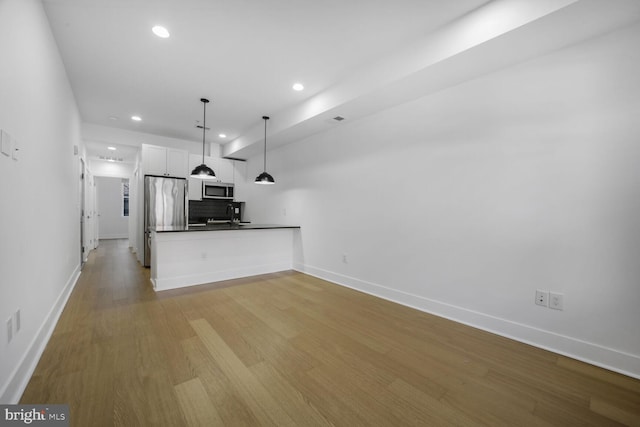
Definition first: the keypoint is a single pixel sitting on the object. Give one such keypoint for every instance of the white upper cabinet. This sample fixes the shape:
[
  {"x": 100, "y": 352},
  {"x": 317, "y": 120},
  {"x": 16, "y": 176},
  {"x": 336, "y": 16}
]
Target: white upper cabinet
[
  {"x": 223, "y": 169},
  {"x": 164, "y": 161},
  {"x": 177, "y": 162},
  {"x": 239, "y": 177},
  {"x": 239, "y": 171},
  {"x": 154, "y": 160}
]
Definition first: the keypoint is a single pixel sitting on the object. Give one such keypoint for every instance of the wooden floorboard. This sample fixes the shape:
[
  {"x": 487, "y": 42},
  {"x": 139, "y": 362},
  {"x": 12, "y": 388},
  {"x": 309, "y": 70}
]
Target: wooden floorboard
[{"x": 290, "y": 349}]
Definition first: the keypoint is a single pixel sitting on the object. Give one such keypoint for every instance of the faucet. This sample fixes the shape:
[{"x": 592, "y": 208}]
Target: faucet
[{"x": 231, "y": 211}]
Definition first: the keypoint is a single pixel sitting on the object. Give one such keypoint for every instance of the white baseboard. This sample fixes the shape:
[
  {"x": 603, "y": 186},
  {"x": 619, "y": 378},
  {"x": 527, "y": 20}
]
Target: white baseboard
[
  {"x": 114, "y": 236},
  {"x": 217, "y": 276},
  {"x": 594, "y": 354},
  {"x": 15, "y": 386}
]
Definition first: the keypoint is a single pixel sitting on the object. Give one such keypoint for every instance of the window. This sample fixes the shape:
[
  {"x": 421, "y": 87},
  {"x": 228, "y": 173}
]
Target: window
[{"x": 125, "y": 197}]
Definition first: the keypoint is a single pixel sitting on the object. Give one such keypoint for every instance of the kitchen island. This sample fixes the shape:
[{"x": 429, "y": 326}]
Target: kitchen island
[{"x": 197, "y": 254}]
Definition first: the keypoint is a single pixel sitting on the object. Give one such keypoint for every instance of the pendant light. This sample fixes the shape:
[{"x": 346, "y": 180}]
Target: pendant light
[
  {"x": 203, "y": 171},
  {"x": 264, "y": 177}
]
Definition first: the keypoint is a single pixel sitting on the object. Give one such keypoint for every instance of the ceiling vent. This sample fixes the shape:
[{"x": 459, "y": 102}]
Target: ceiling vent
[
  {"x": 111, "y": 159},
  {"x": 338, "y": 118}
]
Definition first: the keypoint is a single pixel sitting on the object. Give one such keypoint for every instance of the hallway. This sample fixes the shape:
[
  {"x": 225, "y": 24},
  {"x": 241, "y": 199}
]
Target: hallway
[{"x": 290, "y": 349}]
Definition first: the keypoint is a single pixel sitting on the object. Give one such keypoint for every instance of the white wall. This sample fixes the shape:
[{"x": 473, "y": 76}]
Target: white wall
[
  {"x": 111, "y": 169},
  {"x": 39, "y": 216},
  {"x": 463, "y": 203},
  {"x": 112, "y": 224}
]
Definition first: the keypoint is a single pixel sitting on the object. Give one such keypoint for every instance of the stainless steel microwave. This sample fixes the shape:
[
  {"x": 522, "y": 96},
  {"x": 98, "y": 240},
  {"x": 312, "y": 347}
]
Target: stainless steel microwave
[{"x": 217, "y": 190}]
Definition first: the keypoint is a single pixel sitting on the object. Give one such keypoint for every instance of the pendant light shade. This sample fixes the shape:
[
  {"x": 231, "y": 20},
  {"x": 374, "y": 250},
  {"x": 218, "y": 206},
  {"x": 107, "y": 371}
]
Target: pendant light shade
[
  {"x": 264, "y": 177},
  {"x": 203, "y": 171}
]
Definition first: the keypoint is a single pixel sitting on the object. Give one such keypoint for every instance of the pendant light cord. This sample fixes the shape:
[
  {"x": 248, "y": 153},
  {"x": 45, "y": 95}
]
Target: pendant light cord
[
  {"x": 265, "y": 143},
  {"x": 204, "y": 125}
]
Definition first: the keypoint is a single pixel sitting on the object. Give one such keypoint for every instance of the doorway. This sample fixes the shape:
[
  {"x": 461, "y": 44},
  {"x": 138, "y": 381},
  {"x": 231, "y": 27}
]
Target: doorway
[{"x": 82, "y": 224}]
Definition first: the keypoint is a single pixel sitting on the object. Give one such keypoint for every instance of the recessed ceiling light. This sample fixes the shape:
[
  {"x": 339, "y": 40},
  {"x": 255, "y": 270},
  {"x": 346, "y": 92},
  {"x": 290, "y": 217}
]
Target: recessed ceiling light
[
  {"x": 111, "y": 148},
  {"x": 136, "y": 118},
  {"x": 160, "y": 31},
  {"x": 298, "y": 87},
  {"x": 114, "y": 118},
  {"x": 222, "y": 135}
]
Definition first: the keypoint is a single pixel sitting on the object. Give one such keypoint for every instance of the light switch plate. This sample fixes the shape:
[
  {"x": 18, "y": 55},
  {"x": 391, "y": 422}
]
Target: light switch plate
[
  {"x": 5, "y": 143},
  {"x": 9, "y": 329}
]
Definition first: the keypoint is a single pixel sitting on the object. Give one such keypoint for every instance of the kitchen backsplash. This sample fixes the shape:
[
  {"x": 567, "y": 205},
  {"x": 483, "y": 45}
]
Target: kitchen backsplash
[{"x": 200, "y": 211}]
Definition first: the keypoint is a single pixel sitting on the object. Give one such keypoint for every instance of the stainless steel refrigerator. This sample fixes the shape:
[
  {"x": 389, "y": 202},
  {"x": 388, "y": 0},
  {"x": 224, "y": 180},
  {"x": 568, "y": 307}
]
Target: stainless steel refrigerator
[{"x": 165, "y": 204}]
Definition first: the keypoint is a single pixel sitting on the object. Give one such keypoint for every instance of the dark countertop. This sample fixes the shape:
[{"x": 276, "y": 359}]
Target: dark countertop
[{"x": 222, "y": 227}]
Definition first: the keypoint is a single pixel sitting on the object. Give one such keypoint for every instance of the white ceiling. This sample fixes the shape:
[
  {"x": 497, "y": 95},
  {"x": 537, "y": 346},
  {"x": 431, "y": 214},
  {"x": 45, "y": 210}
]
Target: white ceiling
[
  {"x": 244, "y": 55},
  {"x": 354, "y": 57}
]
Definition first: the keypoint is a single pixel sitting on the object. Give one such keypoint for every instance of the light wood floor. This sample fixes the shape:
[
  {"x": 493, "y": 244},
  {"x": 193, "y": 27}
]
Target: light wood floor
[{"x": 291, "y": 350}]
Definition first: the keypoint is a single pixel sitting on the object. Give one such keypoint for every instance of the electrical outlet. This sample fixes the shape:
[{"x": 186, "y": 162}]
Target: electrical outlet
[
  {"x": 556, "y": 301},
  {"x": 344, "y": 258},
  {"x": 9, "y": 329},
  {"x": 16, "y": 150},
  {"x": 542, "y": 298}
]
